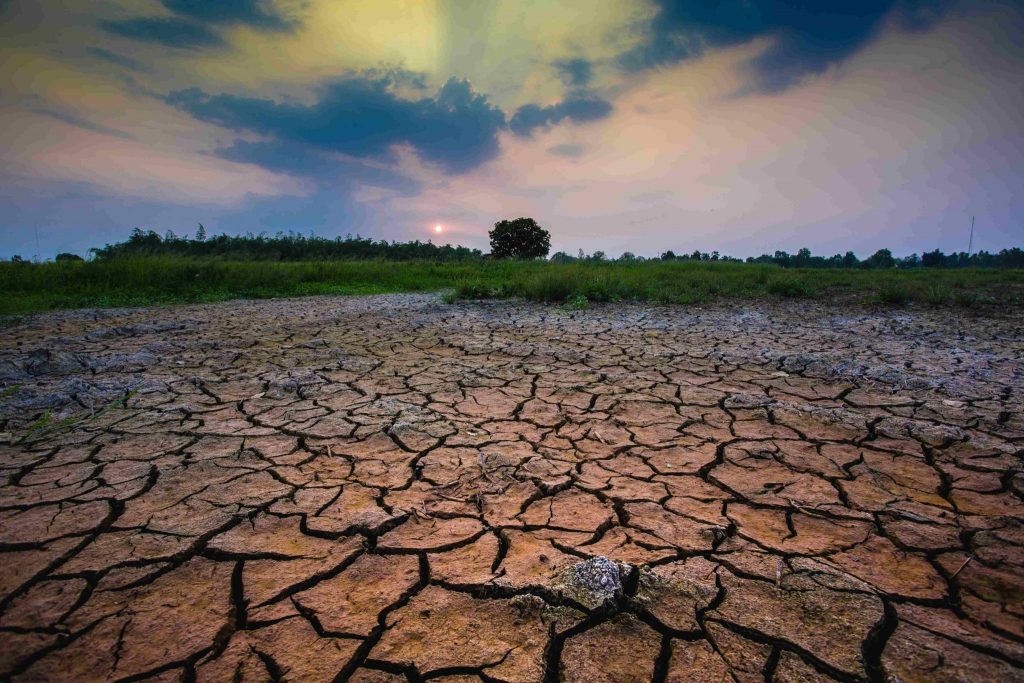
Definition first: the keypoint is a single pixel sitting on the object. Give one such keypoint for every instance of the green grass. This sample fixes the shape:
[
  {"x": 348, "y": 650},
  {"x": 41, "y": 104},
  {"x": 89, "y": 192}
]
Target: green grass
[
  {"x": 897, "y": 294},
  {"x": 168, "y": 280},
  {"x": 28, "y": 288},
  {"x": 659, "y": 282}
]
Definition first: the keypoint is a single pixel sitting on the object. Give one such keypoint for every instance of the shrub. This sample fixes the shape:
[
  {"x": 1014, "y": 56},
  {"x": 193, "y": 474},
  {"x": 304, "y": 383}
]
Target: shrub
[
  {"x": 789, "y": 287},
  {"x": 577, "y": 302},
  {"x": 893, "y": 295},
  {"x": 936, "y": 295},
  {"x": 966, "y": 298},
  {"x": 477, "y": 289},
  {"x": 551, "y": 286}
]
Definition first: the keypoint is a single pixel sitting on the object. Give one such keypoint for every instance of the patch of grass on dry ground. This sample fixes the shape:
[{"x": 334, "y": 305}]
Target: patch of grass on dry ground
[{"x": 31, "y": 287}]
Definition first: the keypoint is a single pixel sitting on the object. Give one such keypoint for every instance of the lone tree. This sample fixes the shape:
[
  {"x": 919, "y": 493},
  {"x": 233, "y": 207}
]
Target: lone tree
[{"x": 521, "y": 238}]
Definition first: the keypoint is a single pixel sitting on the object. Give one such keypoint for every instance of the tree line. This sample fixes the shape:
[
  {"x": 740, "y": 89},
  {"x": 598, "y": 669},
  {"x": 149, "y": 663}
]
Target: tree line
[
  {"x": 881, "y": 259},
  {"x": 520, "y": 238},
  {"x": 290, "y": 246}
]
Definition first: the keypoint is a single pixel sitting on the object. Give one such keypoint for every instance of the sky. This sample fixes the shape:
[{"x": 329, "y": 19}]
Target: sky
[{"x": 742, "y": 126}]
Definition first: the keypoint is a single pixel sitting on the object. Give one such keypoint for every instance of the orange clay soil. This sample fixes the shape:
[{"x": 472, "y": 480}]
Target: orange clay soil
[{"x": 392, "y": 488}]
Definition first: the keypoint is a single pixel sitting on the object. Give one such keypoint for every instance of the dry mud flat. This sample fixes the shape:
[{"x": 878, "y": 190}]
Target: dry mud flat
[{"x": 391, "y": 488}]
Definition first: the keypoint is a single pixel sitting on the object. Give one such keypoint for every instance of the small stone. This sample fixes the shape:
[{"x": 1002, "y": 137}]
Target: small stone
[{"x": 591, "y": 582}]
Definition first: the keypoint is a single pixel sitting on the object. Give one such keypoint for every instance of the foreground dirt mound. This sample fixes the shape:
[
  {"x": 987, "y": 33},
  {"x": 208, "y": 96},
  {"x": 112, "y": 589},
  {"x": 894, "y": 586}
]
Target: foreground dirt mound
[{"x": 389, "y": 488}]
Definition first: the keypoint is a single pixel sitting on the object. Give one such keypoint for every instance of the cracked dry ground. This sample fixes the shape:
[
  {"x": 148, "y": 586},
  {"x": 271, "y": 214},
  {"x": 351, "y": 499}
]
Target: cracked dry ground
[{"x": 391, "y": 489}]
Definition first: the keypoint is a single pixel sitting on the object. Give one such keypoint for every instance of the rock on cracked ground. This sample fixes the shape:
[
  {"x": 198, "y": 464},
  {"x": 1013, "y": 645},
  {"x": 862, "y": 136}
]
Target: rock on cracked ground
[{"x": 394, "y": 489}]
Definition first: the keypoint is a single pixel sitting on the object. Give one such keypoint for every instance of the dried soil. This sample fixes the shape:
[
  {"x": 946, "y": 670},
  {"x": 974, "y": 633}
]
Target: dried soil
[{"x": 390, "y": 488}]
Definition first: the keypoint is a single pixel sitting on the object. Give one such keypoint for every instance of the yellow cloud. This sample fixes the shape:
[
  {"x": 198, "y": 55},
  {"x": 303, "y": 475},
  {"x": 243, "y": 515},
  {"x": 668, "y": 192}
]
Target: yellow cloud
[{"x": 331, "y": 39}]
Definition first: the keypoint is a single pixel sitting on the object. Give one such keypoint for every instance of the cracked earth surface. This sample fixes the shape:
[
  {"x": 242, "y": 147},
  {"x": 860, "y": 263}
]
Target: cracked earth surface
[{"x": 389, "y": 488}]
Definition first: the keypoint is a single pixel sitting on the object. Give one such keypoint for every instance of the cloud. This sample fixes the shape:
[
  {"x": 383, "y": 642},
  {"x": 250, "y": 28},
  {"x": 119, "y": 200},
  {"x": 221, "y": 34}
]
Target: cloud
[
  {"x": 807, "y": 37},
  {"x": 567, "y": 150},
  {"x": 63, "y": 150},
  {"x": 575, "y": 72},
  {"x": 576, "y": 108},
  {"x": 169, "y": 31},
  {"x": 328, "y": 169},
  {"x": 116, "y": 59},
  {"x": 920, "y": 15},
  {"x": 75, "y": 120},
  {"x": 254, "y": 13},
  {"x": 362, "y": 116},
  {"x": 190, "y": 25},
  {"x": 280, "y": 157}
]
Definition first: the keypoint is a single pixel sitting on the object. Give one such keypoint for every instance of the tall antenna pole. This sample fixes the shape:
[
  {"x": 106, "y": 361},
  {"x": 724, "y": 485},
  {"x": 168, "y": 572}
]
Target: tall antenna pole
[
  {"x": 970, "y": 244},
  {"x": 38, "y": 256}
]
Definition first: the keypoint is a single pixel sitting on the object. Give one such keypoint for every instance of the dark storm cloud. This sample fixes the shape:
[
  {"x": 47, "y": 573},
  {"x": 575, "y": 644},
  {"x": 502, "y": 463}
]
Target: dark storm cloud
[
  {"x": 575, "y": 72},
  {"x": 169, "y": 31},
  {"x": 576, "y": 108},
  {"x": 809, "y": 36},
  {"x": 250, "y": 12},
  {"x": 362, "y": 117}
]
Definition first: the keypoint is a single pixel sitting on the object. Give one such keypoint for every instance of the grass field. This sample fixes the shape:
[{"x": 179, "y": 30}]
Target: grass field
[{"x": 28, "y": 287}]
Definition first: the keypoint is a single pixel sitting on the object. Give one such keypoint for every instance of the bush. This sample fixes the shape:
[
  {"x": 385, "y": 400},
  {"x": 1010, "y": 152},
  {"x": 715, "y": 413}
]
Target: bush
[
  {"x": 550, "y": 286},
  {"x": 966, "y": 298},
  {"x": 577, "y": 302},
  {"x": 477, "y": 289},
  {"x": 936, "y": 295},
  {"x": 893, "y": 295},
  {"x": 789, "y": 287}
]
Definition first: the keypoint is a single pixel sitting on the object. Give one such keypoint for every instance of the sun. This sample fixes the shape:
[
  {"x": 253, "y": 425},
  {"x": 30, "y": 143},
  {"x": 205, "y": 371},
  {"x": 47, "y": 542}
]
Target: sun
[{"x": 438, "y": 228}]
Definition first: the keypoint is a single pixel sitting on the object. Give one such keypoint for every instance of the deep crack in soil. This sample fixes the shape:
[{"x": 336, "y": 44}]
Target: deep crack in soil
[{"x": 393, "y": 489}]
